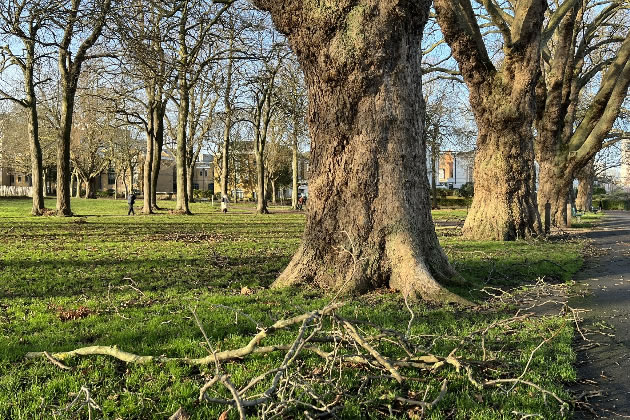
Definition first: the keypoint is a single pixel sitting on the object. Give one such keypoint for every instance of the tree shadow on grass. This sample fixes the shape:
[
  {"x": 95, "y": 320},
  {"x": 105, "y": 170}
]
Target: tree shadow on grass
[{"x": 50, "y": 278}]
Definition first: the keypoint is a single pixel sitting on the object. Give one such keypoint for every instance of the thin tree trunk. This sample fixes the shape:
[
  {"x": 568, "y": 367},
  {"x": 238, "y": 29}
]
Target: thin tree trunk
[
  {"x": 261, "y": 199},
  {"x": 63, "y": 150},
  {"x": 434, "y": 196},
  {"x": 228, "y": 123},
  {"x": 294, "y": 170},
  {"x": 369, "y": 189},
  {"x": 273, "y": 191},
  {"x": 147, "y": 190},
  {"x": 191, "y": 174},
  {"x": 90, "y": 192},
  {"x": 33, "y": 134},
  {"x": 182, "y": 178},
  {"x": 158, "y": 125}
]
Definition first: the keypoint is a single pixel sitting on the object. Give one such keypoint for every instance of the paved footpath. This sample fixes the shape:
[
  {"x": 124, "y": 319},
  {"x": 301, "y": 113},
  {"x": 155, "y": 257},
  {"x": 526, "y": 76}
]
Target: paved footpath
[{"x": 604, "y": 363}]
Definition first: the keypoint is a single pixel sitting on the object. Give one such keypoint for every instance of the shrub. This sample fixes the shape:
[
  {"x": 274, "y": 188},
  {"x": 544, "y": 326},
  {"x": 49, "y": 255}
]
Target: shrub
[
  {"x": 599, "y": 190},
  {"x": 467, "y": 190},
  {"x": 104, "y": 194},
  {"x": 202, "y": 194}
]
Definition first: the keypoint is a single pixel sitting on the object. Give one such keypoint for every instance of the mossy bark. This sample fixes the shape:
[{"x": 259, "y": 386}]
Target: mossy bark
[
  {"x": 503, "y": 102},
  {"x": 368, "y": 220}
]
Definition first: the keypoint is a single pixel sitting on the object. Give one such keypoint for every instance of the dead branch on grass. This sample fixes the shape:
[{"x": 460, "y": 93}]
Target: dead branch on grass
[{"x": 344, "y": 345}]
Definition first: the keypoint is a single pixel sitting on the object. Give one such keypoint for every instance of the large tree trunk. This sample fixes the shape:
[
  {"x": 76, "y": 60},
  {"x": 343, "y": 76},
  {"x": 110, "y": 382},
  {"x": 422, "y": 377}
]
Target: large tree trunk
[
  {"x": 368, "y": 222},
  {"x": 504, "y": 205},
  {"x": 586, "y": 179},
  {"x": 503, "y": 102}
]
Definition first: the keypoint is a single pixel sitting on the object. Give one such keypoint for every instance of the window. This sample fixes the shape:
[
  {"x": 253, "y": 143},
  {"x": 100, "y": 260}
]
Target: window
[
  {"x": 11, "y": 179},
  {"x": 205, "y": 172},
  {"x": 111, "y": 176},
  {"x": 201, "y": 173},
  {"x": 19, "y": 178},
  {"x": 195, "y": 186}
]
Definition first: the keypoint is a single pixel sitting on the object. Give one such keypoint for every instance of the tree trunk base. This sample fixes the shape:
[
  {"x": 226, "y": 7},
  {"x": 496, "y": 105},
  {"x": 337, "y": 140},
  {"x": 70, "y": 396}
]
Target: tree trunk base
[{"x": 405, "y": 272}]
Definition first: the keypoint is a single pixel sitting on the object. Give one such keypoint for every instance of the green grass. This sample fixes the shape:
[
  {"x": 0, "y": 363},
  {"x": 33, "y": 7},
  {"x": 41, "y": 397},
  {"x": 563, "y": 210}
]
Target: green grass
[
  {"x": 140, "y": 276},
  {"x": 587, "y": 220}
]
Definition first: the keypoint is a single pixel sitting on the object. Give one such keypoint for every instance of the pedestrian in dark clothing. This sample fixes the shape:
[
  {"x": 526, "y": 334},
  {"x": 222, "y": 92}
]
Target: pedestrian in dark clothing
[{"x": 131, "y": 201}]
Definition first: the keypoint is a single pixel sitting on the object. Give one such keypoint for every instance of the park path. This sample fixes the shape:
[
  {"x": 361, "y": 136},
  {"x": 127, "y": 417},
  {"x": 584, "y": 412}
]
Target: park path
[{"x": 603, "y": 364}]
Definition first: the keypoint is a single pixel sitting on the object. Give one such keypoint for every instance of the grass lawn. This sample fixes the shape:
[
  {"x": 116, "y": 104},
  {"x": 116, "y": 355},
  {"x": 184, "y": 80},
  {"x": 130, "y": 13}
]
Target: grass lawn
[{"x": 103, "y": 278}]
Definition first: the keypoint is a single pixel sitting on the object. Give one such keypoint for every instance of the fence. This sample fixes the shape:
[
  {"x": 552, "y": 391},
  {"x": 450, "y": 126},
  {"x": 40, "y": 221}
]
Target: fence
[{"x": 6, "y": 191}]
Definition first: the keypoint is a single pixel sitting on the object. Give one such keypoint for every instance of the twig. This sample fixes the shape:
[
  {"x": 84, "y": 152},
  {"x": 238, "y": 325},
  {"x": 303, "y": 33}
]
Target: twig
[{"x": 56, "y": 362}]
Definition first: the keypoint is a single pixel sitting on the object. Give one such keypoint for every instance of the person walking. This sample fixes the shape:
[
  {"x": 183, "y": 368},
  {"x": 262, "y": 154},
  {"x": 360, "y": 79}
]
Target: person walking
[
  {"x": 224, "y": 203},
  {"x": 131, "y": 200}
]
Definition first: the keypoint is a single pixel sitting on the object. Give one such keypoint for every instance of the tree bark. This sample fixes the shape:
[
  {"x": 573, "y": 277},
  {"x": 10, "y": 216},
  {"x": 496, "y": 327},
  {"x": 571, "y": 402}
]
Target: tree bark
[
  {"x": 182, "y": 178},
  {"x": 434, "y": 197},
  {"x": 294, "y": 170},
  {"x": 554, "y": 186},
  {"x": 147, "y": 189},
  {"x": 190, "y": 172},
  {"x": 157, "y": 152},
  {"x": 368, "y": 222},
  {"x": 63, "y": 148},
  {"x": 261, "y": 196},
  {"x": 90, "y": 192},
  {"x": 586, "y": 179},
  {"x": 564, "y": 147},
  {"x": 504, "y": 204},
  {"x": 33, "y": 132},
  {"x": 228, "y": 125},
  {"x": 273, "y": 191}
]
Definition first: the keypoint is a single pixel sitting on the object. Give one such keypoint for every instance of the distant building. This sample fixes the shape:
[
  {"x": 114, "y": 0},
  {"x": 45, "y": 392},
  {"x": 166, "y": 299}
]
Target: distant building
[
  {"x": 454, "y": 169},
  {"x": 203, "y": 176}
]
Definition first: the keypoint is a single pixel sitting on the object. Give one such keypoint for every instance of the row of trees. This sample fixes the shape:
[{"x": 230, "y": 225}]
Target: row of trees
[
  {"x": 187, "y": 74},
  {"x": 528, "y": 67},
  {"x": 546, "y": 83}
]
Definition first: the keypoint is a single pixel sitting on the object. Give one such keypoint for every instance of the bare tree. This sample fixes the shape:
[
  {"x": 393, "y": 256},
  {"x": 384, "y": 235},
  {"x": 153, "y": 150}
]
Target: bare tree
[
  {"x": 502, "y": 97},
  {"x": 293, "y": 104},
  {"x": 195, "y": 52},
  {"x": 591, "y": 42},
  {"x": 81, "y": 23},
  {"x": 369, "y": 196},
  {"x": 26, "y": 20}
]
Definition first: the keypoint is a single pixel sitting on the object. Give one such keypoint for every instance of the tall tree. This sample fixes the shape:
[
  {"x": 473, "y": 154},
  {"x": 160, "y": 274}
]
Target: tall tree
[
  {"x": 502, "y": 99},
  {"x": 293, "y": 104},
  {"x": 143, "y": 28},
  {"x": 368, "y": 222},
  {"x": 195, "y": 52},
  {"x": 572, "y": 127},
  {"x": 265, "y": 103},
  {"x": 25, "y": 20},
  {"x": 82, "y": 22}
]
